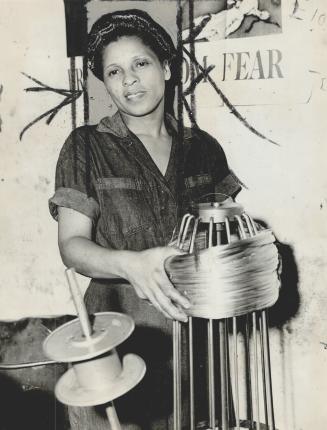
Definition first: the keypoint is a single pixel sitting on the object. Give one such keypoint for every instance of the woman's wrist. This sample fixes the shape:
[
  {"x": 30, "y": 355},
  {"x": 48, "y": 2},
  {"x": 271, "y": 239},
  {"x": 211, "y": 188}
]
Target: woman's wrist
[{"x": 124, "y": 262}]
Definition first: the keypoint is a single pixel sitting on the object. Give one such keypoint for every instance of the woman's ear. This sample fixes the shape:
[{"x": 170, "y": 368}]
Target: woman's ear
[{"x": 166, "y": 68}]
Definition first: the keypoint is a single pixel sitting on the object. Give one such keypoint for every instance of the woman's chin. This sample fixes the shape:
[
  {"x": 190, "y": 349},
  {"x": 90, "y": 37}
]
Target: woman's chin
[{"x": 139, "y": 109}]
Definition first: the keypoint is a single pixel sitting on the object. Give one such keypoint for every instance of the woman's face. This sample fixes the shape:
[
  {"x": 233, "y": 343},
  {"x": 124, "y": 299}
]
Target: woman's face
[{"x": 134, "y": 76}]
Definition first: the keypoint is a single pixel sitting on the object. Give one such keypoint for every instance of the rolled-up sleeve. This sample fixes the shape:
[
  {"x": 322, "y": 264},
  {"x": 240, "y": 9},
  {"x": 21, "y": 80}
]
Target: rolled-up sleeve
[
  {"x": 230, "y": 185},
  {"x": 225, "y": 180},
  {"x": 74, "y": 185}
]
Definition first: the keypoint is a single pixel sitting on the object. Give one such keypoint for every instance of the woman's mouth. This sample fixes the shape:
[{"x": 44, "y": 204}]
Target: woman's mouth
[{"x": 135, "y": 95}]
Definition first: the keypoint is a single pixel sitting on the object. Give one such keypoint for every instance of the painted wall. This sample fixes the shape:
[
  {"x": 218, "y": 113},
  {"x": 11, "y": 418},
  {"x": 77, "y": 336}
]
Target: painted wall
[
  {"x": 32, "y": 279},
  {"x": 286, "y": 183}
]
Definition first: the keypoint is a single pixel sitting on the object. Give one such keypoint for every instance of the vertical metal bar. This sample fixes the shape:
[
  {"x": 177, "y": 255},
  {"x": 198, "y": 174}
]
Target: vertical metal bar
[
  {"x": 271, "y": 418},
  {"x": 190, "y": 341},
  {"x": 177, "y": 375},
  {"x": 181, "y": 229},
  {"x": 211, "y": 371},
  {"x": 255, "y": 369},
  {"x": 227, "y": 371},
  {"x": 248, "y": 370},
  {"x": 253, "y": 225},
  {"x": 195, "y": 229},
  {"x": 223, "y": 361},
  {"x": 191, "y": 364},
  {"x": 211, "y": 377},
  {"x": 250, "y": 226},
  {"x": 189, "y": 219},
  {"x": 223, "y": 381},
  {"x": 227, "y": 226},
  {"x": 235, "y": 354},
  {"x": 252, "y": 232},
  {"x": 264, "y": 388},
  {"x": 179, "y": 326},
  {"x": 241, "y": 227},
  {"x": 237, "y": 404}
]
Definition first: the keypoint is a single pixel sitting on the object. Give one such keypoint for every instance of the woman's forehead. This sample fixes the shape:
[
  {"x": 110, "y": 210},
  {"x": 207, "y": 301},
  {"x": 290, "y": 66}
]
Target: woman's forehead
[{"x": 124, "y": 47}]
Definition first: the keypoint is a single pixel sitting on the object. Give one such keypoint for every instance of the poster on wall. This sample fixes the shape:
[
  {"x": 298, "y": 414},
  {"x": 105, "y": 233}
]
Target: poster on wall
[{"x": 250, "y": 49}]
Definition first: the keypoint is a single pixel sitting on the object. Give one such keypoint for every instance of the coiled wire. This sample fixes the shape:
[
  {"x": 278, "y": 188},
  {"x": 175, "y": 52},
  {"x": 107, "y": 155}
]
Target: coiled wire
[{"x": 228, "y": 280}]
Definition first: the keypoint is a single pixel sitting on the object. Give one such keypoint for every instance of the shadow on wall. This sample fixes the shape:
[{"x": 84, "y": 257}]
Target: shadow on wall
[
  {"x": 29, "y": 408},
  {"x": 27, "y": 394},
  {"x": 289, "y": 300}
]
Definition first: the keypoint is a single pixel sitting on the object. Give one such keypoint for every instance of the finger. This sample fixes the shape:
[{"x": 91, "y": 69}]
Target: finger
[
  {"x": 157, "y": 305},
  {"x": 170, "y": 291},
  {"x": 139, "y": 292},
  {"x": 166, "y": 304},
  {"x": 176, "y": 296},
  {"x": 151, "y": 300}
]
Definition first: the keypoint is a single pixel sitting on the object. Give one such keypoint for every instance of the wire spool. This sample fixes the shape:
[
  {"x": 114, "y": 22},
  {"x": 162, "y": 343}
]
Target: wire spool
[
  {"x": 228, "y": 280},
  {"x": 229, "y": 269}
]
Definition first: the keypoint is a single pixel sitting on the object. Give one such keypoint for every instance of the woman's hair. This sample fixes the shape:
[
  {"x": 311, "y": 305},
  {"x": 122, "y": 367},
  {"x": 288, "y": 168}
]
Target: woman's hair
[{"x": 132, "y": 22}]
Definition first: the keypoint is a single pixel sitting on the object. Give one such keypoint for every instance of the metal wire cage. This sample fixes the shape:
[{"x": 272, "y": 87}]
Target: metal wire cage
[{"x": 229, "y": 273}]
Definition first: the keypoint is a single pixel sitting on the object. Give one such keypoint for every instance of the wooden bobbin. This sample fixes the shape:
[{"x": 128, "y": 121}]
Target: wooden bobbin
[{"x": 97, "y": 375}]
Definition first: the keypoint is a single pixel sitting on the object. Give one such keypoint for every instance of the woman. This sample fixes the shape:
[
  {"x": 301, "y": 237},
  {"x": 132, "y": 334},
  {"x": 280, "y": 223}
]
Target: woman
[{"x": 120, "y": 189}]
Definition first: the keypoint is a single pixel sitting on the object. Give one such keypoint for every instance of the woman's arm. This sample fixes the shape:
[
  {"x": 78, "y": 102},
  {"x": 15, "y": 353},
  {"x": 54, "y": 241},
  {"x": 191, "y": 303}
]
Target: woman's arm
[{"x": 144, "y": 269}]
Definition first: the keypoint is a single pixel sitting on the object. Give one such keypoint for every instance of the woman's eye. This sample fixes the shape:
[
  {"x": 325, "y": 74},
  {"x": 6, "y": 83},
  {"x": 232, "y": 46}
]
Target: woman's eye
[
  {"x": 113, "y": 72},
  {"x": 142, "y": 63}
]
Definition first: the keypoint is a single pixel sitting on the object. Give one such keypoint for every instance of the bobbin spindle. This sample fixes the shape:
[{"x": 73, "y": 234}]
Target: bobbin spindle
[
  {"x": 97, "y": 375},
  {"x": 79, "y": 303}
]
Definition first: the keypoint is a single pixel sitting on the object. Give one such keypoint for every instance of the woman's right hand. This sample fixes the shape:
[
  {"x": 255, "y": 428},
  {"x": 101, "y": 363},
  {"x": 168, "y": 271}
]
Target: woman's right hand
[{"x": 146, "y": 273}]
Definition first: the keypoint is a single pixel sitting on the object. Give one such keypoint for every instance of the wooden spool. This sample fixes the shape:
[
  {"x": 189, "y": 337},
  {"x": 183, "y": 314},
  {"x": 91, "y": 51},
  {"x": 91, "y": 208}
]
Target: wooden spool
[{"x": 97, "y": 375}]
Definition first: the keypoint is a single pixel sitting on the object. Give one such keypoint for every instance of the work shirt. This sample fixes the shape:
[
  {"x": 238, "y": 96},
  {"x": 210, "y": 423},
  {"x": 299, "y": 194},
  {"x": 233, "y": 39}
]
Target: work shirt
[{"x": 105, "y": 173}]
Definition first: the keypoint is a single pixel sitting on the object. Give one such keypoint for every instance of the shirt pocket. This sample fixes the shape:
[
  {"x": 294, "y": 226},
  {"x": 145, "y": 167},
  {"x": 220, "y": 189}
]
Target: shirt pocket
[
  {"x": 122, "y": 205},
  {"x": 198, "y": 186}
]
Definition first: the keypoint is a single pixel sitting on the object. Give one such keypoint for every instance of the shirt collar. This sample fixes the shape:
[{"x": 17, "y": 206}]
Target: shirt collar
[{"x": 115, "y": 125}]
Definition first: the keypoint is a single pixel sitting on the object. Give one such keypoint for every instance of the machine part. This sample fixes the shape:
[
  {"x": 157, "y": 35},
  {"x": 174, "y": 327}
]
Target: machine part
[{"x": 229, "y": 273}]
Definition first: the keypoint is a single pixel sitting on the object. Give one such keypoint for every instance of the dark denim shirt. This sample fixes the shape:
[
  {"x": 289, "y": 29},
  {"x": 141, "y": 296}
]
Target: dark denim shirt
[{"x": 106, "y": 173}]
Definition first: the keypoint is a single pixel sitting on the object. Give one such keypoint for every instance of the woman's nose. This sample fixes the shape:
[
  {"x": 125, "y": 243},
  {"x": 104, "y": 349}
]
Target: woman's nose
[{"x": 129, "y": 79}]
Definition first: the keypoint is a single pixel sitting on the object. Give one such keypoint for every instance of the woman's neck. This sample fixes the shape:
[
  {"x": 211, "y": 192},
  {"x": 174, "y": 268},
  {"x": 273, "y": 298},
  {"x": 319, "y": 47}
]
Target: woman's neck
[{"x": 152, "y": 125}]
